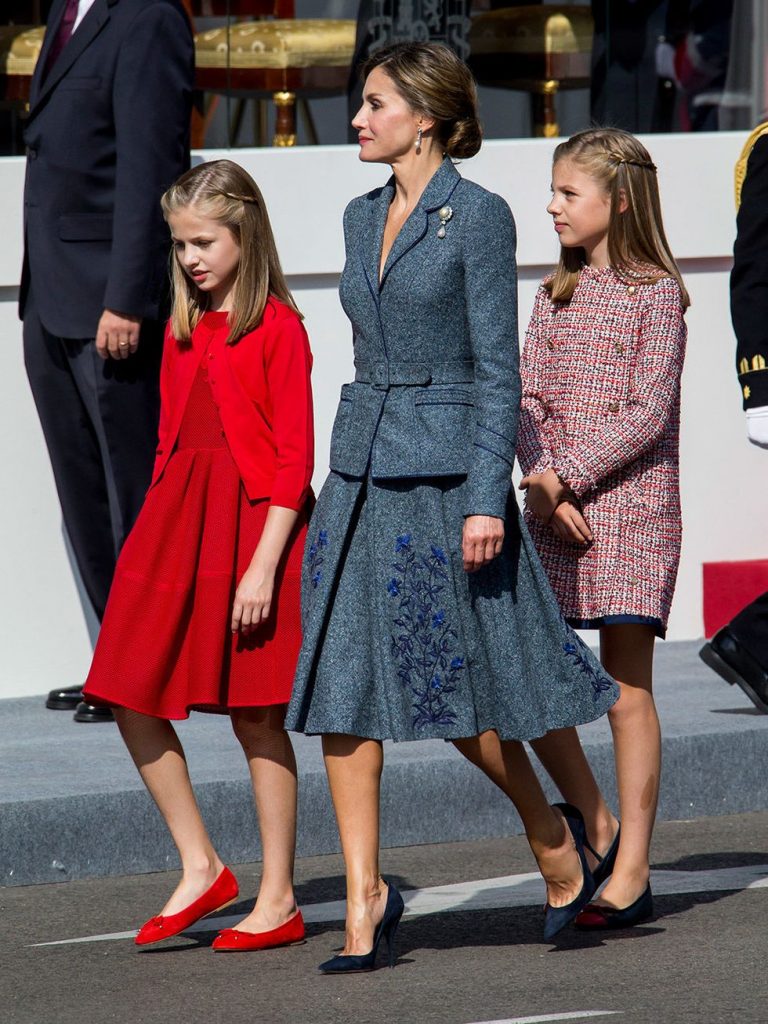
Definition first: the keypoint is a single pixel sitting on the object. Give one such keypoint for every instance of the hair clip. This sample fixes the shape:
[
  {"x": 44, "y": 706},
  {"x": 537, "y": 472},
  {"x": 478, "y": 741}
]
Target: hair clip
[
  {"x": 444, "y": 213},
  {"x": 239, "y": 198}
]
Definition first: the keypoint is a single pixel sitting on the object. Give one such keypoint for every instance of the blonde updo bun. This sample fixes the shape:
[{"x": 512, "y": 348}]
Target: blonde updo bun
[{"x": 438, "y": 84}]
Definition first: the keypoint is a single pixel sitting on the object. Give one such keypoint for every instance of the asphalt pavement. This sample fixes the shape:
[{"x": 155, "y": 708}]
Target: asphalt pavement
[{"x": 469, "y": 948}]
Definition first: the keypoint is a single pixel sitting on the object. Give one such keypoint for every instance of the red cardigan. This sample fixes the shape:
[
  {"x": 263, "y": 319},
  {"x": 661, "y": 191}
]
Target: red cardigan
[{"x": 261, "y": 387}]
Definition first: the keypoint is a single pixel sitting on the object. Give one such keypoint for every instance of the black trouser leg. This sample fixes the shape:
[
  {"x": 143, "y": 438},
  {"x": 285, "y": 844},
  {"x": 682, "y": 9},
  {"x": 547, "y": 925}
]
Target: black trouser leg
[{"x": 99, "y": 419}]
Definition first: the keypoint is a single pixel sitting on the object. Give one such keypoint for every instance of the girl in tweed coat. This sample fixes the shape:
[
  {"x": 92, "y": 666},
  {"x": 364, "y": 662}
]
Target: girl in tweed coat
[{"x": 598, "y": 443}]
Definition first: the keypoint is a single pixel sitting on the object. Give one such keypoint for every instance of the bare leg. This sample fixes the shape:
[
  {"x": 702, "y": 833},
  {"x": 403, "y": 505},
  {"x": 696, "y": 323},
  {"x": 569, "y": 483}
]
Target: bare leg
[
  {"x": 272, "y": 765},
  {"x": 506, "y": 763},
  {"x": 627, "y": 653},
  {"x": 354, "y": 768},
  {"x": 157, "y": 753},
  {"x": 562, "y": 756}
]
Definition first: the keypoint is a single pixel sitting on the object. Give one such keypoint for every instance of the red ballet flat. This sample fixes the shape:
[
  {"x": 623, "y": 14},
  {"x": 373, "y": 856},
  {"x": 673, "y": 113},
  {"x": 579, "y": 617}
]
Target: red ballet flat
[
  {"x": 230, "y": 940},
  {"x": 223, "y": 892}
]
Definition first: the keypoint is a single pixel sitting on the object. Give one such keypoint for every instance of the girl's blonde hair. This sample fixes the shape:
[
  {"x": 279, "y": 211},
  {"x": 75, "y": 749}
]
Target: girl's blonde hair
[
  {"x": 637, "y": 246},
  {"x": 225, "y": 192}
]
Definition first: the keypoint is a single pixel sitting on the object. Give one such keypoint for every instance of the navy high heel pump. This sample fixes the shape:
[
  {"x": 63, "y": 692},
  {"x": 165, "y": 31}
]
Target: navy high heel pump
[
  {"x": 556, "y": 918},
  {"x": 597, "y": 917},
  {"x": 606, "y": 863},
  {"x": 385, "y": 929}
]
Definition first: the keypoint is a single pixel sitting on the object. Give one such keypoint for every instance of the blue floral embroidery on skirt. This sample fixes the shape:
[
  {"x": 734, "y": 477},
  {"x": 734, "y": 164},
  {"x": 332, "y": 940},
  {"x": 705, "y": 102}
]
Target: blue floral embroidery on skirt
[
  {"x": 576, "y": 649},
  {"x": 425, "y": 646},
  {"x": 315, "y": 557}
]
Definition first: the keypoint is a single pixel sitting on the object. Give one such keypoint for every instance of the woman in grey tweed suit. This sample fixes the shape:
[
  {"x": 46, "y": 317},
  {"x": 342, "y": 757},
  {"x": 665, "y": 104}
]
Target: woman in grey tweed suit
[{"x": 426, "y": 612}]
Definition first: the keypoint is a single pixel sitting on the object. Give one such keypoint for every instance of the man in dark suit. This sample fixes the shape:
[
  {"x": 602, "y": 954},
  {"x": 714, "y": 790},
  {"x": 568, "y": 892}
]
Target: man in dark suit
[
  {"x": 739, "y": 651},
  {"x": 107, "y": 133}
]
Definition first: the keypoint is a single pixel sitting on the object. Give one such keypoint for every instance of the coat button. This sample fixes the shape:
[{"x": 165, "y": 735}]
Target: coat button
[
  {"x": 619, "y": 347},
  {"x": 551, "y": 346},
  {"x": 631, "y": 290},
  {"x": 613, "y": 407}
]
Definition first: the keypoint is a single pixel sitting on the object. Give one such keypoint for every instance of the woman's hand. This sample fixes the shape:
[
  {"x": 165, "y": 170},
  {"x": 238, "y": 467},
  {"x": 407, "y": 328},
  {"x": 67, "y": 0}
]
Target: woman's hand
[
  {"x": 569, "y": 524},
  {"x": 481, "y": 541},
  {"x": 542, "y": 493},
  {"x": 253, "y": 598}
]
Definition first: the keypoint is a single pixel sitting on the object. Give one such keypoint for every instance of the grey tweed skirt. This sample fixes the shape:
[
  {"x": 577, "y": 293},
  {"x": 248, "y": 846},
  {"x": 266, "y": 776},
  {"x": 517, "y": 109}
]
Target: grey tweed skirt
[{"x": 401, "y": 643}]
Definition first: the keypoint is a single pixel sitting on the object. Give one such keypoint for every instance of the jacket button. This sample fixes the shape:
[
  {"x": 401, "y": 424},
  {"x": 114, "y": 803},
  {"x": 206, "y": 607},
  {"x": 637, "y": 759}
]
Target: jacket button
[
  {"x": 631, "y": 290},
  {"x": 551, "y": 346},
  {"x": 613, "y": 407},
  {"x": 619, "y": 347}
]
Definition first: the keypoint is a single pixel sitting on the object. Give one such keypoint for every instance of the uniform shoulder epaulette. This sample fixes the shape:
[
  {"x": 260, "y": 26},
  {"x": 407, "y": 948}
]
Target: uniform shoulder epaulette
[{"x": 740, "y": 170}]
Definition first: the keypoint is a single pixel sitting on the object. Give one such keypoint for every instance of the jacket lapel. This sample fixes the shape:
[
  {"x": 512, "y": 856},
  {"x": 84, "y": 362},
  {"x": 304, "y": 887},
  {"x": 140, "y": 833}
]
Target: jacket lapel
[
  {"x": 370, "y": 249},
  {"x": 51, "y": 28},
  {"x": 82, "y": 37},
  {"x": 437, "y": 193}
]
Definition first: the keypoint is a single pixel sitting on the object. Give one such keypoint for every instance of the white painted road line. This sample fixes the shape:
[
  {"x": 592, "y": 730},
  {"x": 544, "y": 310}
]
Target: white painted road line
[
  {"x": 525, "y": 890},
  {"x": 542, "y": 1019}
]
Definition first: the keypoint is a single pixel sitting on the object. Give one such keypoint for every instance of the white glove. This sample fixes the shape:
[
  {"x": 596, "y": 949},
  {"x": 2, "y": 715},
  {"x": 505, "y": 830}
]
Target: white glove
[{"x": 757, "y": 426}]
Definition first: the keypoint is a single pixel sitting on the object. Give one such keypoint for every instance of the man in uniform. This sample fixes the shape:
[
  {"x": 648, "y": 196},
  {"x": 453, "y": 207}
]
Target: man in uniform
[{"x": 739, "y": 651}]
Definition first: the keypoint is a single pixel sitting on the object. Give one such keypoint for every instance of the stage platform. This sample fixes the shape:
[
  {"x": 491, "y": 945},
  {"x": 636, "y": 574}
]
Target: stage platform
[{"x": 72, "y": 805}]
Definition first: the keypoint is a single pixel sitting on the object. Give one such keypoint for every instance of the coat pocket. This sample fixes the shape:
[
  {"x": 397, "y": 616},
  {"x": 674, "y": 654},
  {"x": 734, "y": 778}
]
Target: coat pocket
[
  {"x": 444, "y": 417},
  {"x": 353, "y": 429},
  {"x": 91, "y": 82}
]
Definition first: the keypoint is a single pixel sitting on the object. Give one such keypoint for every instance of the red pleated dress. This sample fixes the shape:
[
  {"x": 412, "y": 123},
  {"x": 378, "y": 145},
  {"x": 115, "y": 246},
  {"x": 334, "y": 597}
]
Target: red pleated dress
[{"x": 165, "y": 646}]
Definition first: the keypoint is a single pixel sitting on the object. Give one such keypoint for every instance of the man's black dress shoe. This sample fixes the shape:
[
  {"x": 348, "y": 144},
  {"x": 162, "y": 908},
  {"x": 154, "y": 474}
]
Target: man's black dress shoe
[
  {"x": 93, "y": 713},
  {"x": 65, "y": 699},
  {"x": 725, "y": 655}
]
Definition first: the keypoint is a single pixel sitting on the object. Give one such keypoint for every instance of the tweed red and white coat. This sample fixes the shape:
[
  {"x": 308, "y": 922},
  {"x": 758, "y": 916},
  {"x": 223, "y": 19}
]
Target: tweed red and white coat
[{"x": 601, "y": 405}]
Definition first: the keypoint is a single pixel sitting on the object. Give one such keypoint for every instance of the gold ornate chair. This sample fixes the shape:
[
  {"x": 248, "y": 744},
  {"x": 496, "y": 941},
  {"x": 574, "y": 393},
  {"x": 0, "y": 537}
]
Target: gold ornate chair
[
  {"x": 20, "y": 47},
  {"x": 276, "y": 55},
  {"x": 538, "y": 50}
]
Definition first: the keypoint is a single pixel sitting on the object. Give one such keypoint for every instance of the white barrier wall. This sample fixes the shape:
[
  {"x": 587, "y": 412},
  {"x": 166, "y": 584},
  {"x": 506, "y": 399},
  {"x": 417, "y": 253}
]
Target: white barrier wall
[{"x": 45, "y": 630}]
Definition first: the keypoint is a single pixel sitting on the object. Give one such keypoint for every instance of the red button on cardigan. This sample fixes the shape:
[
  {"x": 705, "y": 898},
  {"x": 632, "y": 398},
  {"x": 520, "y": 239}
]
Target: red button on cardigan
[{"x": 264, "y": 396}]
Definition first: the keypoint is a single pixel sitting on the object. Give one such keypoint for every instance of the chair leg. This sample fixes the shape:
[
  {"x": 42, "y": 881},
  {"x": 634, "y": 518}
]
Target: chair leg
[
  {"x": 285, "y": 120},
  {"x": 543, "y": 113}
]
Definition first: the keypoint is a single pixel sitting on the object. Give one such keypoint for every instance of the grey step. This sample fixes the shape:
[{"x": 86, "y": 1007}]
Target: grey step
[{"x": 72, "y": 805}]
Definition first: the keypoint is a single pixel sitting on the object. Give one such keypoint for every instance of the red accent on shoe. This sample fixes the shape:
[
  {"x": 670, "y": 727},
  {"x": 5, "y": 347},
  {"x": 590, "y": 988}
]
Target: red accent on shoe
[
  {"x": 223, "y": 892},
  {"x": 230, "y": 940}
]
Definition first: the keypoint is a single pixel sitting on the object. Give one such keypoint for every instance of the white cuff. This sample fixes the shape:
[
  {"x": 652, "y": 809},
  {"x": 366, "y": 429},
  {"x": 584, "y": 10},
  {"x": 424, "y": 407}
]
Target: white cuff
[{"x": 757, "y": 426}]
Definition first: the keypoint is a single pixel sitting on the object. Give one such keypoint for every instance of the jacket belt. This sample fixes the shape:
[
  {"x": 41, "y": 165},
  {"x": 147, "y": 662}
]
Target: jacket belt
[{"x": 390, "y": 374}]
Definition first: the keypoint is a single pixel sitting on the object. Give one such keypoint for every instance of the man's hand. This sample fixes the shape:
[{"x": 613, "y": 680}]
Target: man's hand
[
  {"x": 481, "y": 541},
  {"x": 542, "y": 493},
  {"x": 117, "y": 335},
  {"x": 568, "y": 523}
]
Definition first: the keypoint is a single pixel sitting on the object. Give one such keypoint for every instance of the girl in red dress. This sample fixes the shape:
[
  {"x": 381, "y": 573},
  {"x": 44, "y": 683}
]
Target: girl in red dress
[
  {"x": 204, "y": 611},
  {"x": 598, "y": 443}
]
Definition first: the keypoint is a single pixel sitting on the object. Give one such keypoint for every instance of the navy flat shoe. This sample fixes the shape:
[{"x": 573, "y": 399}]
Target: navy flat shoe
[
  {"x": 605, "y": 864},
  {"x": 556, "y": 918},
  {"x": 596, "y": 917},
  {"x": 357, "y": 963}
]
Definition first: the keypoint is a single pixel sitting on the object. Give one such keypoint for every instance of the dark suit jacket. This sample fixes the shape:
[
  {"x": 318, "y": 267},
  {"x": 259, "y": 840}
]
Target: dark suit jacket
[
  {"x": 108, "y": 132},
  {"x": 749, "y": 280}
]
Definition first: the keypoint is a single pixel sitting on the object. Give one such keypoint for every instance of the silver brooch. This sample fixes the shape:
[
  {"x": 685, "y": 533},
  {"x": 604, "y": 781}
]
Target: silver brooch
[{"x": 444, "y": 213}]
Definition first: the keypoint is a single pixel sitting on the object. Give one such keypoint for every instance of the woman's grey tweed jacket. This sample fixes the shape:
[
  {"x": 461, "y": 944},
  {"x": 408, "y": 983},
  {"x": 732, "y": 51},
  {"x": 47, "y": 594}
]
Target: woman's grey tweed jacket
[{"x": 442, "y": 322}]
